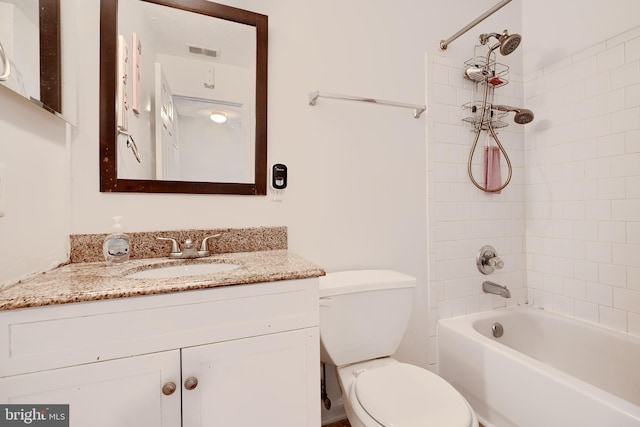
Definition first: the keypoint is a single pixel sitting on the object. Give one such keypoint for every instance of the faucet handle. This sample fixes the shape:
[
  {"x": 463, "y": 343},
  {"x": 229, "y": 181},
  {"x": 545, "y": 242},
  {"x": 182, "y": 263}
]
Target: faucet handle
[
  {"x": 495, "y": 262},
  {"x": 487, "y": 260},
  {"x": 204, "y": 247},
  {"x": 175, "y": 246}
]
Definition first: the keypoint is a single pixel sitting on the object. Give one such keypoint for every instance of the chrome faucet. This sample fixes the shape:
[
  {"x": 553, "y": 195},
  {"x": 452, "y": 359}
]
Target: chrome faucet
[
  {"x": 188, "y": 251},
  {"x": 494, "y": 288}
]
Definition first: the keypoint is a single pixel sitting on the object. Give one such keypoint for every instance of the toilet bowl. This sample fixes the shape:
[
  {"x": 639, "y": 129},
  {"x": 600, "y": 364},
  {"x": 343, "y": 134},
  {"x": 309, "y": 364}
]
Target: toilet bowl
[
  {"x": 363, "y": 316},
  {"x": 390, "y": 393}
]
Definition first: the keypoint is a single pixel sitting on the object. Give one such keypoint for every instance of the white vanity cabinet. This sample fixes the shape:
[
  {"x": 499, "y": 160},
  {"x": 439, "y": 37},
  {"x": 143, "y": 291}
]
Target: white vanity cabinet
[
  {"x": 244, "y": 355},
  {"x": 122, "y": 392}
]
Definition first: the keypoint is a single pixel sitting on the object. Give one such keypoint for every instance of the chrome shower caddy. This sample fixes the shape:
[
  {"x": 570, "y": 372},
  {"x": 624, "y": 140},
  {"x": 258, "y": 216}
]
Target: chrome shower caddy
[{"x": 492, "y": 74}]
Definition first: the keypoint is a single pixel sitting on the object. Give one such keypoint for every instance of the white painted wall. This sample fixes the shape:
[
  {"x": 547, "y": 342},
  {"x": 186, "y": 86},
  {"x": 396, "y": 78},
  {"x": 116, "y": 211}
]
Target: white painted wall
[
  {"x": 356, "y": 196},
  {"x": 358, "y": 173},
  {"x": 34, "y": 232},
  {"x": 558, "y": 29}
]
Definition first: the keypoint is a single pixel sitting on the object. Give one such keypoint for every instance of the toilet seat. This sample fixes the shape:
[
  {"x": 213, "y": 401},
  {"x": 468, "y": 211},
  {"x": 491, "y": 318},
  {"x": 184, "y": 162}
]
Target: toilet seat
[{"x": 405, "y": 395}]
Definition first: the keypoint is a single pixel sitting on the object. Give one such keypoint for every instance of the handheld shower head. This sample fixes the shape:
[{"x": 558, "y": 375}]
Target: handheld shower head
[
  {"x": 522, "y": 117},
  {"x": 506, "y": 42}
]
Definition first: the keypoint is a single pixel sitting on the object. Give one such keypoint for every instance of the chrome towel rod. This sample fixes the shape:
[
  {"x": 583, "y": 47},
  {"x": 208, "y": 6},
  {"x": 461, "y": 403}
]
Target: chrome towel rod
[
  {"x": 445, "y": 43},
  {"x": 417, "y": 109}
]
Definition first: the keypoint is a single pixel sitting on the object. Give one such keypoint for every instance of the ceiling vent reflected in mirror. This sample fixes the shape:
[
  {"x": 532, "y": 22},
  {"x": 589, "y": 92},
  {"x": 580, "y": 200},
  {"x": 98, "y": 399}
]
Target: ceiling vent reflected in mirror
[{"x": 205, "y": 51}]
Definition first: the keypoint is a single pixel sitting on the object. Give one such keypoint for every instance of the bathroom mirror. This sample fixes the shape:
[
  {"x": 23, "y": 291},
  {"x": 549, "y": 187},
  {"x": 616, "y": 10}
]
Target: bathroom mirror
[
  {"x": 30, "y": 36},
  {"x": 183, "y": 98}
]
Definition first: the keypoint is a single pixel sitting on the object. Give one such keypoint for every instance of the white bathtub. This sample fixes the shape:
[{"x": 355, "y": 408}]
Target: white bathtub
[{"x": 546, "y": 370}]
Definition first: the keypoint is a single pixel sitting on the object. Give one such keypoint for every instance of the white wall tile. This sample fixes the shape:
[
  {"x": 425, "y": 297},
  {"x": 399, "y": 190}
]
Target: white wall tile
[
  {"x": 611, "y": 58},
  {"x": 625, "y": 75},
  {"x": 625, "y": 120},
  {"x": 610, "y": 102},
  {"x": 568, "y": 226},
  {"x": 610, "y": 145},
  {"x": 585, "y": 67},
  {"x": 612, "y": 232},
  {"x": 625, "y": 210},
  {"x": 586, "y": 311},
  {"x": 598, "y": 251},
  {"x": 632, "y": 95},
  {"x": 626, "y": 255},
  {"x": 633, "y": 324},
  {"x": 600, "y": 294},
  {"x": 632, "y": 50},
  {"x": 613, "y": 318},
  {"x": 633, "y": 232},
  {"x": 599, "y": 210},
  {"x": 614, "y": 275},
  {"x": 597, "y": 85},
  {"x": 627, "y": 300},
  {"x": 574, "y": 288},
  {"x": 632, "y": 141},
  {"x": 611, "y": 188}
]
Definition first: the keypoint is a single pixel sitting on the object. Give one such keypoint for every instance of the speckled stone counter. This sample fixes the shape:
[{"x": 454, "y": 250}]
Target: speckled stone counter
[
  {"x": 88, "y": 247},
  {"x": 92, "y": 281}
]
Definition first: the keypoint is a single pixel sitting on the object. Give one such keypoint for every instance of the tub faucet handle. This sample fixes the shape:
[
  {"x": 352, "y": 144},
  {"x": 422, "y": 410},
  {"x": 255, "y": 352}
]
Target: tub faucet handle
[
  {"x": 487, "y": 260},
  {"x": 495, "y": 262}
]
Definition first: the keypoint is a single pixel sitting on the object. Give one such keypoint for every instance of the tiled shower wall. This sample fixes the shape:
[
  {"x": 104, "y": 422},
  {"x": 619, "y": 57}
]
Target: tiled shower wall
[
  {"x": 582, "y": 163},
  {"x": 462, "y": 218},
  {"x": 568, "y": 226}
]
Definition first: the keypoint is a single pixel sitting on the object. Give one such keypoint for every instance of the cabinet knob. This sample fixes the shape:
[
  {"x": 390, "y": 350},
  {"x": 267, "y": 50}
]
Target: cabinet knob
[
  {"x": 169, "y": 388},
  {"x": 191, "y": 383}
]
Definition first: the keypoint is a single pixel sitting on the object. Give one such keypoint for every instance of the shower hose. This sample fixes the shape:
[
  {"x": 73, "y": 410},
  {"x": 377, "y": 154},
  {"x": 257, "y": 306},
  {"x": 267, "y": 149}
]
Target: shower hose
[{"x": 493, "y": 134}]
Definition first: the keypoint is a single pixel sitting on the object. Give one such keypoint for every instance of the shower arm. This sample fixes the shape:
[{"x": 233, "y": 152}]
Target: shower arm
[{"x": 445, "y": 43}]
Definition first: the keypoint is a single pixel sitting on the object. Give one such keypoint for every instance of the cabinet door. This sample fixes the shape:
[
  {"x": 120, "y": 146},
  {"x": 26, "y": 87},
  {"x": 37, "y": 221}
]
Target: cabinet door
[
  {"x": 123, "y": 392},
  {"x": 270, "y": 380}
]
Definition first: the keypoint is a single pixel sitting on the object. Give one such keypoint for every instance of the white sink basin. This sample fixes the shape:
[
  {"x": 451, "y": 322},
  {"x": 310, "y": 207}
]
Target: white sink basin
[{"x": 182, "y": 271}]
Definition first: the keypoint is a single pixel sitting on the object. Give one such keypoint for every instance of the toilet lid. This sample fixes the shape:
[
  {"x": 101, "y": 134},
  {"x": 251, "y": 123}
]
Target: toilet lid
[{"x": 404, "y": 395}]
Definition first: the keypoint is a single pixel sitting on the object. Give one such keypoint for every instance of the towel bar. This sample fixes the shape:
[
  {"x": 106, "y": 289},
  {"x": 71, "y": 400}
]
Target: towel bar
[{"x": 417, "y": 109}]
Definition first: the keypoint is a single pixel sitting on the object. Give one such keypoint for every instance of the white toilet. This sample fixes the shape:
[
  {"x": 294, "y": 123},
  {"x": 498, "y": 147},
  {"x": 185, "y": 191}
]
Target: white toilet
[{"x": 363, "y": 316}]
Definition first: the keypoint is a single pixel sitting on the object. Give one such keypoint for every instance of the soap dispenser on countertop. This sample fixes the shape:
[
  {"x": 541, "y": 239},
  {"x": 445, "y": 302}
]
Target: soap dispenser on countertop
[{"x": 116, "y": 245}]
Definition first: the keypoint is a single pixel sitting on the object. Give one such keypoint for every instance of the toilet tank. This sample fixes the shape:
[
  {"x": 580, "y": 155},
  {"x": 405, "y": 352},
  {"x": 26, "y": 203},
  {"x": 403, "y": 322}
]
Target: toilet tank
[{"x": 363, "y": 314}]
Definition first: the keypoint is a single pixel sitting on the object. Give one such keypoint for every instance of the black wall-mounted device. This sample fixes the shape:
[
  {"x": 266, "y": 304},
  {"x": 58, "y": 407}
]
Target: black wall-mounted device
[{"x": 279, "y": 176}]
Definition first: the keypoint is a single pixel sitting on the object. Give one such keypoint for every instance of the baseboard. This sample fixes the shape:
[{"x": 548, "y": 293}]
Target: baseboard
[{"x": 336, "y": 413}]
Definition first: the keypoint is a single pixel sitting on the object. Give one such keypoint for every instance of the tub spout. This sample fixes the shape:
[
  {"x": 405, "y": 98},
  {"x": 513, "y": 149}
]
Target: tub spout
[{"x": 494, "y": 288}]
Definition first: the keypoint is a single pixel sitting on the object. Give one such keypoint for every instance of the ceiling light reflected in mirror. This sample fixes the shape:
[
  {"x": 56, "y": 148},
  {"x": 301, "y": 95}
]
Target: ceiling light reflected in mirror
[{"x": 218, "y": 117}]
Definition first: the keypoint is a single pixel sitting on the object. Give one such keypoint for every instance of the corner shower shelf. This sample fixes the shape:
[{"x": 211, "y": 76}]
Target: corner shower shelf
[{"x": 417, "y": 109}]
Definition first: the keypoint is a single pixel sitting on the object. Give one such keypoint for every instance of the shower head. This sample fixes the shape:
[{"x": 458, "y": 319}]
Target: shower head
[
  {"x": 522, "y": 117},
  {"x": 506, "y": 42}
]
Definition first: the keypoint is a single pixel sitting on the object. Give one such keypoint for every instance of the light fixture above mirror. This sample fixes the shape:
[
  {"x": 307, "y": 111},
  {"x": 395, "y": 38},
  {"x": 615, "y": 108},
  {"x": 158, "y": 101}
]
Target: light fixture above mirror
[{"x": 167, "y": 66}]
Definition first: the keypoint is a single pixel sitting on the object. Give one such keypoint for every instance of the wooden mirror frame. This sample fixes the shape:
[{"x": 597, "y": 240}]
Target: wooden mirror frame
[
  {"x": 50, "y": 56},
  {"x": 109, "y": 181}
]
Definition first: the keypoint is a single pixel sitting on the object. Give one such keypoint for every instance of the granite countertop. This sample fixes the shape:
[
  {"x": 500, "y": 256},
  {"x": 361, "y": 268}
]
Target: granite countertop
[{"x": 93, "y": 281}]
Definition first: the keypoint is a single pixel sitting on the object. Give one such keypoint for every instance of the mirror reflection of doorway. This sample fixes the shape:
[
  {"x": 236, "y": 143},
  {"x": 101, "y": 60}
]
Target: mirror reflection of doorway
[{"x": 167, "y": 144}]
